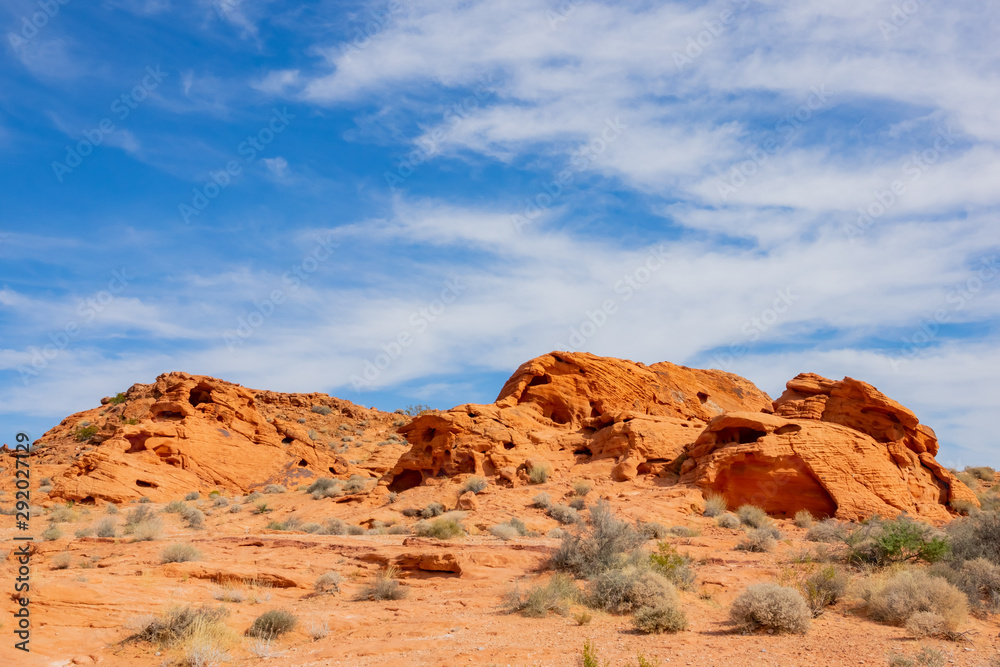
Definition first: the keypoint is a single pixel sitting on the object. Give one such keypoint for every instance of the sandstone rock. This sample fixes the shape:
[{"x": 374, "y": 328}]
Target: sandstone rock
[
  {"x": 190, "y": 433},
  {"x": 839, "y": 449},
  {"x": 467, "y": 501},
  {"x": 568, "y": 407}
]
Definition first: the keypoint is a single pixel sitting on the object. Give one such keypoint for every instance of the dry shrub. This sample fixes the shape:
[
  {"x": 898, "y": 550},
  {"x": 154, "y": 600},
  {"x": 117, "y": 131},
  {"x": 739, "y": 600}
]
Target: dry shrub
[
  {"x": 632, "y": 587},
  {"x": 664, "y": 617},
  {"x": 772, "y": 607},
  {"x": 554, "y": 596},
  {"x": 976, "y": 536},
  {"x": 803, "y": 519},
  {"x": 177, "y": 624},
  {"x": 672, "y": 565},
  {"x": 105, "y": 527},
  {"x": 758, "y": 540},
  {"x": 828, "y": 530},
  {"x": 274, "y": 488},
  {"x": 383, "y": 587},
  {"x": 728, "y": 520},
  {"x": 504, "y": 531},
  {"x": 444, "y": 527},
  {"x": 474, "y": 484},
  {"x": 564, "y": 514},
  {"x": 979, "y": 579},
  {"x": 179, "y": 553},
  {"x": 539, "y": 474},
  {"x": 272, "y": 623},
  {"x": 715, "y": 505},
  {"x": 894, "y": 599},
  {"x": 984, "y": 473},
  {"x": 603, "y": 544},
  {"x": 582, "y": 487},
  {"x": 62, "y": 561},
  {"x": 926, "y": 624},
  {"x": 328, "y": 582},
  {"x": 753, "y": 516},
  {"x": 824, "y": 587},
  {"x": 542, "y": 501}
]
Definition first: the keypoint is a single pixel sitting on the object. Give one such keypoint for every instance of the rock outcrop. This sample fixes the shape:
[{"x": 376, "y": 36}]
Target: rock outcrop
[
  {"x": 839, "y": 449},
  {"x": 188, "y": 433},
  {"x": 565, "y": 408}
]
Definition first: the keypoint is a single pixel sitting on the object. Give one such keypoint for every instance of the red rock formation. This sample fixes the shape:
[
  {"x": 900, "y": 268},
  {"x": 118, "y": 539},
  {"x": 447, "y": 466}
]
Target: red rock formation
[
  {"x": 839, "y": 449},
  {"x": 565, "y": 407},
  {"x": 188, "y": 433}
]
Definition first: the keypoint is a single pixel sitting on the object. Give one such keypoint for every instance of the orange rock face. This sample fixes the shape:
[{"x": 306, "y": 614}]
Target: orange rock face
[
  {"x": 188, "y": 433},
  {"x": 839, "y": 449},
  {"x": 565, "y": 408}
]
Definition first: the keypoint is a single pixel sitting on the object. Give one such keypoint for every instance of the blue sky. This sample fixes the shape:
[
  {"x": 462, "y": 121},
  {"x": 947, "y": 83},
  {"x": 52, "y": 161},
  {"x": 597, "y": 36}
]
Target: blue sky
[{"x": 400, "y": 202}]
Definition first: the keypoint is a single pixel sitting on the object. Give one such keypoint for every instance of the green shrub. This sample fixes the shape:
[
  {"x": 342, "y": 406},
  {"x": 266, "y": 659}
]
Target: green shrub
[
  {"x": 632, "y": 587},
  {"x": 474, "y": 484},
  {"x": 728, "y": 520},
  {"x": 804, "y": 519},
  {"x": 383, "y": 587},
  {"x": 564, "y": 514},
  {"x": 771, "y": 607},
  {"x": 823, "y": 588},
  {"x": 179, "y": 553},
  {"x": 539, "y": 473},
  {"x": 715, "y": 504},
  {"x": 272, "y": 623},
  {"x": 321, "y": 409},
  {"x": 118, "y": 399},
  {"x": 753, "y": 516},
  {"x": 758, "y": 540},
  {"x": 672, "y": 565},
  {"x": 604, "y": 543},
  {"x": 664, "y": 617},
  {"x": 896, "y": 599},
  {"x": 85, "y": 433},
  {"x": 555, "y": 596},
  {"x": 882, "y": 543},
  {"x": 590, "y": 658}
]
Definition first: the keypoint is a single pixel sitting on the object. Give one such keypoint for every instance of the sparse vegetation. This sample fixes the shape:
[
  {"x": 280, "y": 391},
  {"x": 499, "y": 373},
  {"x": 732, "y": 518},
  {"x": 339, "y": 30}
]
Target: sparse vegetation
[
  {"x": 220, "y": 501},
  {"x": 177, "y": 624},
  {"x": 753, "y": 516},
  {"x": 664, "y": 617},
  {"x": 321, "y": 410},
  {"x": 925, "y": 657},
  {"x": 823, "y": 588},
  {"x": 590, "y": 657},
  {"x": 193, "y": 517},
  {"x": 84, "y": 433},
  {"x": 383, "y": 587},
  {"x": 758, "y": 540},
  {"x": 555, "y": 596},
  {"x": 984, "y": 473},
  {"x": 117, "y": 399},
  {"x": 474, "y": 484},
  {"x": 728, "y": 520},
  {"x": 624, "y": 590},
  {"x": 62, "y": 561},
  {"x": 894, "y": 599},
  {"x": 356, "y": 484},
  {"x": 325, "y": 487},
  {"x": 979, "y": 579},
  {"x": 274, "y": 488},
  {"x": 415, "y": 410},
  {"x": 106, "y": 527},
  {"x": 604, "y": 543},
  {"x": 804, "y": 519},
  {"x": 672, "y": 565},
  {"x": 715, "y": 505},
  {"x": 539, "y": 473},
  {"x": 328, "y": 582},
  {"x": 180, "y": 552},
  {"x": 542, "y": 501},
  {"x": 194, "y": 495},
  {"x": 771, "y": 607},
  {"x": 432, "y": 510},
  {"x": 564, "y": 514},
  {"x": 976, "y": 536},
  {"x": 445, "y": 527},
  {"x": 582, "y": 487},
  {"x": 51, "y": 533},
  {"x": 828, "y": 530},
  {"x": 272, "y": 623},
  {"x": 318, "y": 630}
]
